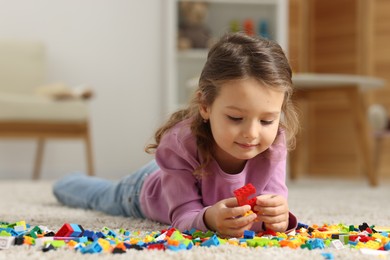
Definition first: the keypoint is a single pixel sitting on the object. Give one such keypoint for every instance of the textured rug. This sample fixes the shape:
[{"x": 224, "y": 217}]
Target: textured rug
[{"x": 312, "y": 201}]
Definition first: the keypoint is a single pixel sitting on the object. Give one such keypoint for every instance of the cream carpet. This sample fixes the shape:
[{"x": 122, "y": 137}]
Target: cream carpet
[{"x": 312, "y": 201}]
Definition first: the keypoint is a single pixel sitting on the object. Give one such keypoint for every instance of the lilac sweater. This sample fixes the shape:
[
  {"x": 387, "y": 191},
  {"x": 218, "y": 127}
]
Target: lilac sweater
[{"x": 172, "y": 195}]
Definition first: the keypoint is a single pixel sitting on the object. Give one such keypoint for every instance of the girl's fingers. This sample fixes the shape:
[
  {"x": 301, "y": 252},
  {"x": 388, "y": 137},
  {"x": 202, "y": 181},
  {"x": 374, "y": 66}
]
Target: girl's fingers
[
  {"x": 281, "y": 226},
  {"x": 271, "y": 211},
  {"x": 270, "y": 200},
  {"x": 232, "y": 209},
  {"x": 273, "y": 219},
  {"x": 271, "y": 205},
  {"x": 236, "y": 227},
  {"x": 230, "y": 202}
]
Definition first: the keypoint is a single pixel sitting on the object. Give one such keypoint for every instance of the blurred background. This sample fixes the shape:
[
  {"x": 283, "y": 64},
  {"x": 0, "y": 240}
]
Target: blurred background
[
  {"x": 132, "y": 54},
  {"x": 113, "y": 46}
]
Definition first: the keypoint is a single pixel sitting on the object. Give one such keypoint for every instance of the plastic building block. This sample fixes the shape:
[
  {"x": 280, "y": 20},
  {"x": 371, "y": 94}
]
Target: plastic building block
[
  {"x": 269, "y": 232},
  {"x": 302, "y": 225},
  {"x": 156, "y": 246},
  {"x": 65, "y": 231},
  {"x": 337, "y": 244},
  {"x": 242, "y": 194},
  {"x": 90, "y": 235},
  {"x": 5, "y": 232},
  {"x": 70, "y": 230},
  {"x": 328, "y": 256},
  {"x": 249, "y": 234},
  {"x": 105, "y": 244},
  {"x": 42, "y": 241},
  {"x": 100, "y": 234},
  {"x": 6, "y": 242},
  {"x": 212, "y": 241},
  {"x": 136, "y": 247},
  {"x": 28, "y": 240},
  {"x": 179, "y": 247},
  {"x": 363, "y": 226},
  {"x": 19, "y": 240},
  {"x": 93, "y": 248},
  {"x": 77, "y": 230},
  {"x": 35, "y": 231},
  {"x": 117, "y": 250},
  {"x": 57, "y": 243},
  {"x": 161, "y": 237},
  {"x": 48, "y": 247},
  {"x": 316, "y": 243},
  {"x": 109, "y": 232}
]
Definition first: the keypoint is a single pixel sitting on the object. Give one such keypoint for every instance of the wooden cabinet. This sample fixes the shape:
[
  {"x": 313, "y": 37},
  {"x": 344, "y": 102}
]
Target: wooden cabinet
[{"x": 344, "y": 36}]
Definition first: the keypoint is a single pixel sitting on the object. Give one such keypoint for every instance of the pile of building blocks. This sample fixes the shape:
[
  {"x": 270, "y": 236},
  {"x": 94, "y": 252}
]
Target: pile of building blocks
[{"x": 107, "y": 240}]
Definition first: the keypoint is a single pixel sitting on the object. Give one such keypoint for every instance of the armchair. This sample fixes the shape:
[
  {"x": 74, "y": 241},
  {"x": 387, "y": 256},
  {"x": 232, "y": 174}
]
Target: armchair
[{"x": 24, "y": 113}]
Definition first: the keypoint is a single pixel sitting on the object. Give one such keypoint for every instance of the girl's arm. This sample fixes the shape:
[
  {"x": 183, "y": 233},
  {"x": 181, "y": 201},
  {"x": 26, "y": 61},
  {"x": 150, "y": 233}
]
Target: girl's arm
[{"x": 177, "y": 157}]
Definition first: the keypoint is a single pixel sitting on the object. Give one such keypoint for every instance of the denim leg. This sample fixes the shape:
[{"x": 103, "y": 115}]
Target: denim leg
[
  {"x": 114, "y": 198},
  {"x": 81, "y": 191},
  {"x": 131, "y": 186}
]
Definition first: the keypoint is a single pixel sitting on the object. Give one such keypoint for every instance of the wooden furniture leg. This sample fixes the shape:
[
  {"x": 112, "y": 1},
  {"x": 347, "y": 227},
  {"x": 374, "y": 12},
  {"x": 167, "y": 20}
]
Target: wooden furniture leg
[
  {"x": 298, "y": 156},
  {"x": 364, "y": 135},
  {"x": 89, "y": 155},
  {"x": 38, "y": 158},
  {"x": 377, "y": 152}
]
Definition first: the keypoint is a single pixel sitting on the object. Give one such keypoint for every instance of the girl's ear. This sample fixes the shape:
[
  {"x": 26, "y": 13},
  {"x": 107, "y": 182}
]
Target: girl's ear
[{"x": 203, "y": 108}]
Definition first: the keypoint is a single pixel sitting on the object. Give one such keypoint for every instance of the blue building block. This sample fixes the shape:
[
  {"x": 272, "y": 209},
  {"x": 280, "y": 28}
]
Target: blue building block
[
  {"x": 177, "y": 248},
  {"x": 93, "y": 248},
  {"x": 100, "y": 235},
  {"x": 90, "y": 235},
  {"x": 191, "y": 231},
  {"x": 302, "y": 225},
  {"x": 316, "y": 243},
  {"x": 11, "y": 231},
  {"x": 328, "y": 256},
  {"x": 81, "y": 239},
  {"x": 249, "y": 234},
  {"x": 212, "y": 241},
  {"x": 77, "y": 230}
]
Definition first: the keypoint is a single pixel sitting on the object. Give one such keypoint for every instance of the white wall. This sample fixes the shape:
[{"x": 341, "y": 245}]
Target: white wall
[{"x": 116, "y": 46}]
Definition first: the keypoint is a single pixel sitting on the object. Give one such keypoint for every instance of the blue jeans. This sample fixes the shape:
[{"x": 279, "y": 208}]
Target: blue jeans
[{"x": 114, "y": 198}]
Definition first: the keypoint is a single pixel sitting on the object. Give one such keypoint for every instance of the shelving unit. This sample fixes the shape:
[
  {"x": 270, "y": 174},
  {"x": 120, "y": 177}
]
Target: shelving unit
[{"x": 182, "y": 66}]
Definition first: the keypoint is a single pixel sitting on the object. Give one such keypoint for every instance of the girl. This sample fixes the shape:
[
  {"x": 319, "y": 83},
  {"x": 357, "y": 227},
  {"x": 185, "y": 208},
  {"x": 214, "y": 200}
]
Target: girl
[{"x": 236, "y": 130}]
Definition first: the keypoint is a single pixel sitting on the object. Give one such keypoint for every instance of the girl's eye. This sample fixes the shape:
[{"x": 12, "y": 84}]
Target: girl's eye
[
  {"x": 235, "y": 119},
  {"x": 265, "y": 122}
]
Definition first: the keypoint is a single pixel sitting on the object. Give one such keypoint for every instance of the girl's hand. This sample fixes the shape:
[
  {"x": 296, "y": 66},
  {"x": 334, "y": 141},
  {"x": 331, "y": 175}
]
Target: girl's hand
[
  {"x": 227, "y": 218},
  {"x": 273, "y": 211}
]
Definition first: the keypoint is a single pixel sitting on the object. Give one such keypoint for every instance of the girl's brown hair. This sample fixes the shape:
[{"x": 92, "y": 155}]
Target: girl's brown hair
[{"x": 236, "y": 56}]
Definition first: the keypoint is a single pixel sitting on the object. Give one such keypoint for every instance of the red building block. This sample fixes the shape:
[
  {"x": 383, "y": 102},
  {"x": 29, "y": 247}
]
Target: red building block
[
  {"x": 65, "y": 231},
  {"x": 242, "y": 194},
  {"x": 156, "y": 246},
  {"x": 70, "y": 230}
]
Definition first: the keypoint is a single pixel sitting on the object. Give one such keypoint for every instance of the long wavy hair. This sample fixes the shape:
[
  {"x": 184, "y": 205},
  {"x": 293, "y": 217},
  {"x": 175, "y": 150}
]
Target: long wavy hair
[{"x": 235, "y": 56}]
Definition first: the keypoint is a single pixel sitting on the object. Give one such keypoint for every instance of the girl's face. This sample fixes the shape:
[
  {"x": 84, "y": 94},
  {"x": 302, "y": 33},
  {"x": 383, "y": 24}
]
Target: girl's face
[{"x": 244, "y": 120}]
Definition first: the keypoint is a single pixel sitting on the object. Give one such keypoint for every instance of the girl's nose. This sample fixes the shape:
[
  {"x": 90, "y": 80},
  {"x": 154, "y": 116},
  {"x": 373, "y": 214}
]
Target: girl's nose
[{"x": 251, "y": 130}]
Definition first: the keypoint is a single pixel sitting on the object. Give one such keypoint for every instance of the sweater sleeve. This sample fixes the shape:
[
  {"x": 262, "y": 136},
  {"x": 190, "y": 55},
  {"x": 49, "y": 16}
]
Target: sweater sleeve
[
  {"x": 277, "y": 181},
  {"x": 177, "y": 158},
  {"x": 277, "y": 158}
]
